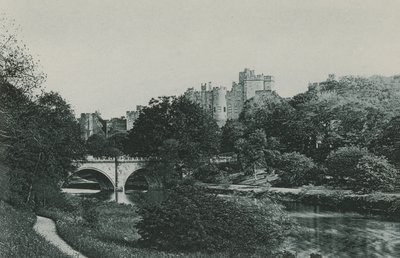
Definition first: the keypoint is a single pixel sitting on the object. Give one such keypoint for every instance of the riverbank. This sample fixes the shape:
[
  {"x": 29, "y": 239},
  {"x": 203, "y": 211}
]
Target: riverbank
[
  {"x": 112, "y": 234},
  {"x": 386, "y": 204},
  {"x": 18, "y": 239}
]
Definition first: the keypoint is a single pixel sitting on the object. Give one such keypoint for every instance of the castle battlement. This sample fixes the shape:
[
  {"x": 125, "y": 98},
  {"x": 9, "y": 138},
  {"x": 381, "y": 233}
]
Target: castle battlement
[{"x": 225, "y": 103}]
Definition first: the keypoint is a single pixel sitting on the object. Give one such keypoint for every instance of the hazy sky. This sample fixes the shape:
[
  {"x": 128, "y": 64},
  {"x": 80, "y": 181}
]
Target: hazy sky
[{"x": 113, "y": 55}]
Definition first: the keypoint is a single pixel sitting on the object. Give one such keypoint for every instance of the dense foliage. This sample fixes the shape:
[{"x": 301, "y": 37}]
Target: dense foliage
[
  {"x": 176, "y": 131},
  {"x": 191, "y": 220},
  {"x": 98, "y": 145},
  {"x": 360, "y": 170},
  {"x": 388, "y": 141},
  {"x": 294, "y": 137},
  {"x": 295, "y": 169},
  {"x": 43, "y": 140},
  {"x": 39, "y": 135}
]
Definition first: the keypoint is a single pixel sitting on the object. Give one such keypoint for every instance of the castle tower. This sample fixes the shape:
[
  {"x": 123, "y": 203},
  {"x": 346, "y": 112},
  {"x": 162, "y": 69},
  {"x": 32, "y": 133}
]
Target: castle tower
[
  {"x": 235, "y": 100},
  {"x": 90, "y": 124},
  {"x": 252, "y": 82},
  {"x": 219, "y": 105},
  {"x": 131, "y": 117},
  {"x": 223, "y": 104}
]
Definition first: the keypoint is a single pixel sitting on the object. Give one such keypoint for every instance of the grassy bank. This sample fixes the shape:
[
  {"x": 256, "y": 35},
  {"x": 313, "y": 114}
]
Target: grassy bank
[
  {"x": 112, "y": 234},
  {"x": 17, "y": 237}
]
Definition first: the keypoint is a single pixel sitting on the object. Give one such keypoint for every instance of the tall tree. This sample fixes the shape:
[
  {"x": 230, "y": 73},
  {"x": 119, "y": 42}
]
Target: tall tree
[
  {"x": 45, "y": 139},
  {"x": 39, "y": 136},
  {"x": 176, "y": 131},
  {"x": 251, "y": 151},
  {"x": 232, "y": 131}
]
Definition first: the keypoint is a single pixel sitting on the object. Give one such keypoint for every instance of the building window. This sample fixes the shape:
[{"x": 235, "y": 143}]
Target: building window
[
  {"x": 214, "y": 109},
  {"x": 224, "y": 109}
]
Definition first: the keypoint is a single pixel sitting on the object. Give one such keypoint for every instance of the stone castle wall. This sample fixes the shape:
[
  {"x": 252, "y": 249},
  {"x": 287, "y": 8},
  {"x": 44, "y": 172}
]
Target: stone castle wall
[
  {"x": 225, "y": 104},
  {"x": 91, "y": 123}
]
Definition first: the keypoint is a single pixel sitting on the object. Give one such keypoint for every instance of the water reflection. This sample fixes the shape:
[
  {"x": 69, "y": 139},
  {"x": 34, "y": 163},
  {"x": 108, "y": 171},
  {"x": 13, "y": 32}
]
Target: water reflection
[
  {"x": 128, "y": 197},
  {"x": 337, "y": 234}
]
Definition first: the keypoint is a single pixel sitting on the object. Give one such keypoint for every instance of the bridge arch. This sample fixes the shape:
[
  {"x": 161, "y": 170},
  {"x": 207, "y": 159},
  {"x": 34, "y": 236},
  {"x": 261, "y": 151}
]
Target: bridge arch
[
  {"x": 94, "y": 174},
  {"x": 139, "y": 176}
]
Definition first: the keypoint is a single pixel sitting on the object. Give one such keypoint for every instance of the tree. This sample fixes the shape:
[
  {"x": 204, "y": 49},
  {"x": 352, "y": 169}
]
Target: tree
[
  {"x": 17, "y": 66},
  {"x": 96, "y": 145},
  {"x": 295, "y": 169},
  {"x": 192, "y": 220},
  {"x": 43, "y": 140},
  {"x": 116, "y": 144},
  {"x": 267, "y": 111},
  {"x": 250, "y": 151},
  {"x": 303, "y": 98},
  {"x": 388, "y": 141},
  {"x": 342, "y": 164},
  {"x": 232, "y": 131},
  {"x": 375, "y": 174},
  {"x": 357, "y": 169},
  {"x": 177, "y": 132}
]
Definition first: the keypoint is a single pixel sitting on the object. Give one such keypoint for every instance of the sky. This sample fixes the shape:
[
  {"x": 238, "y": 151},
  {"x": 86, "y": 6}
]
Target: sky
[{"x": 112, "y": 55}]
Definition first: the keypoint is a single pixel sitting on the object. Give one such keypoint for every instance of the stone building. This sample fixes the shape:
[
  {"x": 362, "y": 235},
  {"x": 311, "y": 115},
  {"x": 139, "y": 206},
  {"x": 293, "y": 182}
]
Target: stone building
[
  {"x": 92, "y": 123},
  {"x": 116, "y": 125},
  {"x": 211, "y": 99},
  {"x": 131, "y": 117},
  {"x": 224, "y": 104}
]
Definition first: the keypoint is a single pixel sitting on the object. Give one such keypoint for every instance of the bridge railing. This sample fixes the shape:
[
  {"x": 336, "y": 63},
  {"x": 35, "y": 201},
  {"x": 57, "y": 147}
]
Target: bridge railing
[
  {"x": 215, "y": 160},
  {"x": 120, "y": 159}
]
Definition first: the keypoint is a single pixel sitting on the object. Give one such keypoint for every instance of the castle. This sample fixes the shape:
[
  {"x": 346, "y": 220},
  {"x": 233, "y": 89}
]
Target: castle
[
  {"x": 225, "y": 104},
  {"x": 92, "y": 123},
  {"x": 221, "y": 103}
]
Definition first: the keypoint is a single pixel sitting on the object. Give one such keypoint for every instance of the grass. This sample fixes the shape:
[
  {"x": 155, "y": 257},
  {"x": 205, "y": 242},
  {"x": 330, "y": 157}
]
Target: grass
[
  {"x": 17, "y": 237},
  {"x": 113, "y": 235}
]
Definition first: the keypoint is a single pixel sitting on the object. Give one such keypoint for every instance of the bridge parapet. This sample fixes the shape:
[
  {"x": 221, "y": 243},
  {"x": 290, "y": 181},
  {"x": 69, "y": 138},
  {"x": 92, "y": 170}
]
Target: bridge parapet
[
  {"x": 91, "y": 159},
  {"x": 223, "y": 159}
]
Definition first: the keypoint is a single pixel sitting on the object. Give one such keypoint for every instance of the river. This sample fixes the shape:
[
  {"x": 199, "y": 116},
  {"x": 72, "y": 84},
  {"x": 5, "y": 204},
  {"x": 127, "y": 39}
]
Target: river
[{"x": 331, "y": 234}]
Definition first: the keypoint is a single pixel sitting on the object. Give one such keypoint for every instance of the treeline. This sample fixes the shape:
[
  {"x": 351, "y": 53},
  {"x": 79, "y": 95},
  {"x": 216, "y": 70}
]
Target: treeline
[{"x": 341, "y": 132}]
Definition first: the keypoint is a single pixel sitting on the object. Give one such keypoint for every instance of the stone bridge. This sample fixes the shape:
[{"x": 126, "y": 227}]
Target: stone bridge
[{"x": 114, "y": 174}]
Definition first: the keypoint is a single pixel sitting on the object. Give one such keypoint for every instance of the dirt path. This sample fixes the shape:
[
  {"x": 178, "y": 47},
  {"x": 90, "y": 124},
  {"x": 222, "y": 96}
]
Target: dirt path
[{"x": 47, "y": 228}]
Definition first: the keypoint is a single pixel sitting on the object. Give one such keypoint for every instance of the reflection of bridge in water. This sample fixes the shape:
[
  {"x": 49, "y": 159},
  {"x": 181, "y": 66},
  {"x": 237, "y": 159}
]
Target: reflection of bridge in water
[{"x": 111, "y": 174}]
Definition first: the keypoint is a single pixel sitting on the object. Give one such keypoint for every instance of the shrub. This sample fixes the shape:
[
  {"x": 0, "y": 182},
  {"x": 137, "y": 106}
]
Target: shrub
[
  {"x": 295, "y": 169},
  {"x": 360, "y": 170},
  {"x": 191, "y": 220},
  {"x": 342, "y": 164},
  {"x": 373, "y": 174}
]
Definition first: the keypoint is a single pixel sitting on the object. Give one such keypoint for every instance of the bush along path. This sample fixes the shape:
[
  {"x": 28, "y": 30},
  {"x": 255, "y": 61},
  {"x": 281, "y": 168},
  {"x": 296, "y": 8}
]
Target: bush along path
[{"x": 47, "y": 228}]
